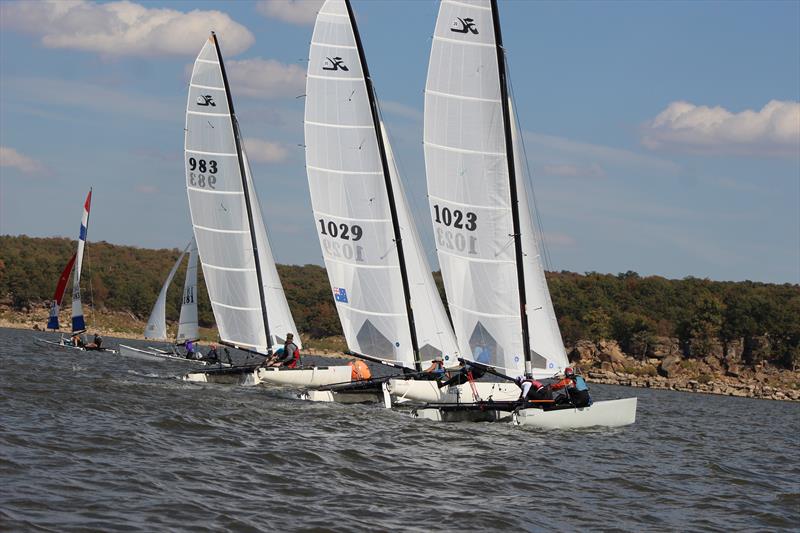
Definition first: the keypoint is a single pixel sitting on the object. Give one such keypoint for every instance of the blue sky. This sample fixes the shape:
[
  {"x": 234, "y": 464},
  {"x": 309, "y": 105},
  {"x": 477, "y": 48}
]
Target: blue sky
[{"x": 663, "y": 137}]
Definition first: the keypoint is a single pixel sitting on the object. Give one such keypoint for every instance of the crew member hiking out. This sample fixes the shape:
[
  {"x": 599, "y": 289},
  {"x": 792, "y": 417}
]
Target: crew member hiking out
[
  {"x": 436, "y": 370},
  {"x": 577, "y": 392},
  {"x": 288, "y": 356},
  {"x": 95, "y": 344},
  {"x": 533, "y": 390},
  {"x": 359, "y": 370},
  {"x": 190, "y": 351}
]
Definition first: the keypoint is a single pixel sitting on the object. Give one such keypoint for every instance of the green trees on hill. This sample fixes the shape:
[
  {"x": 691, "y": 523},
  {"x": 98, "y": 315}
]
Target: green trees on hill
[{"x": 633, "y": 310}]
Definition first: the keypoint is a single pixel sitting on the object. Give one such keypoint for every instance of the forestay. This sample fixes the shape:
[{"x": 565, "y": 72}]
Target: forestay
[
  {"x": 78, "y": 323},
  {"x": 351, "y": 196},
  {"x": 470, "y": 195},
  {"x": 187, "y": 322},
  {"x": 226, "y": 217},
  {"x": 156, "y": 328}
]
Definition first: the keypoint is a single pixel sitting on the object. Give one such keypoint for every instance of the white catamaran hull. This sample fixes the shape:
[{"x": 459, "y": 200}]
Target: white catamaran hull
[
  {"x": 342, "y": 397},
  {"x": 153, "y": 354},
  {"x": 69, "y": 346},
  {"x": 606, "y": 413},
  {"x": 300, "y": 377},
  {"x": 404, "y": 390}
]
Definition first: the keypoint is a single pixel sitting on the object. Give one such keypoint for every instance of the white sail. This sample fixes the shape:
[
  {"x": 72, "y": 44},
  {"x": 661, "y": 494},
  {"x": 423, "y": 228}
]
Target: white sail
[
  {"x": 187, "y": 323},
  {"x": 156, "y": 328},
  {"x": 470, "y": 197},
  {"x": 78, "y": 323},
  {"x": 225, "y": 211},
  {"x": 352, "y": 212}
]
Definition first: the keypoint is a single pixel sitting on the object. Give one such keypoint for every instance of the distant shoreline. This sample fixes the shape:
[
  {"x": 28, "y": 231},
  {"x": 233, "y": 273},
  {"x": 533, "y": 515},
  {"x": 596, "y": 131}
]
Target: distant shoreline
[{"x": 766, "y": 383}]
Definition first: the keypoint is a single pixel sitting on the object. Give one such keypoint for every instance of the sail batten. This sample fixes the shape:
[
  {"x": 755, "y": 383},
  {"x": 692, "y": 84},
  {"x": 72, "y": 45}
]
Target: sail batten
[
  {"x": 367, "y": 235},
  {"x": 487, "y": 247},
  {"x": 249, "y": 305}
]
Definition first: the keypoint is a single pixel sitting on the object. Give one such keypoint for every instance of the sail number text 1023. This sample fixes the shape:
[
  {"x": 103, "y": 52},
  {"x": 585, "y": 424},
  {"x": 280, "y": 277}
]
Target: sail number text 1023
[
  {"x": 203, "y": 167},
  {"x": 460, "y": 220}
]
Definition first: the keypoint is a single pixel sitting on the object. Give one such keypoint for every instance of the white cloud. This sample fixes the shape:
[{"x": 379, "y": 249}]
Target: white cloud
[
  {"x": 293, "y": 11},
  {"x": 682, "y": 126},
  {"x": 11, "y": 158},
  {"x": 123, "y": 27},
  {"x": 265, "y": 78},
  {"x": 573, "y": 171},
  {"x": 265, "y": 151}
]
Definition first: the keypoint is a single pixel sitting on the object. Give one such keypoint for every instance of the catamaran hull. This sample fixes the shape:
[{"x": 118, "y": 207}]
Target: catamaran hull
[
  {"x": 607, "y": 413},
  {"x": 152, "y": 355},
  {"x": 249, "y": 376},
  {"x": 405, "y": 390},
  {"x": 305, "y": 377},
  {"x": 67, "y": 346},
  {"x": 371, "y": 396}
]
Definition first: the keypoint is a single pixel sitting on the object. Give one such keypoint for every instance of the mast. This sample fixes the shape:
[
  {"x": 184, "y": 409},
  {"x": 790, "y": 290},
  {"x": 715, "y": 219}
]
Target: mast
[
  {"x": 512, "y": 185},
  {"x": 389, "y": 189},
  {"x": 246, "y": 193}
]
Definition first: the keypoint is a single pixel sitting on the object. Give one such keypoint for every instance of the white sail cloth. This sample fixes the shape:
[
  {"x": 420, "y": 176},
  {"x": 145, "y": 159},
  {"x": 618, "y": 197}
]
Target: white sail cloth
[
  {"x": 225, "y": 215},
  {"x": 469, "y": 191},
  {"x": 188, "y": 329},
  {"x": 78, "y": 323},
  {"x": 352, "y": 209},
  {"x": 156, "y": 328}
]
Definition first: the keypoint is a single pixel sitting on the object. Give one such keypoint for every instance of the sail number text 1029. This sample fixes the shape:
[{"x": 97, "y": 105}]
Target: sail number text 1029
[
  {"x": 203, "y": 167},
  {"x": 332, "y": 245}
]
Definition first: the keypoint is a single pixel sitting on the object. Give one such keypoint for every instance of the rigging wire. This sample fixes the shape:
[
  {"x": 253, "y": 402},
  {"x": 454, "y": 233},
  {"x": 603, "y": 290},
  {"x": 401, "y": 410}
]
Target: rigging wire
[{"x": 545, "y": 250}]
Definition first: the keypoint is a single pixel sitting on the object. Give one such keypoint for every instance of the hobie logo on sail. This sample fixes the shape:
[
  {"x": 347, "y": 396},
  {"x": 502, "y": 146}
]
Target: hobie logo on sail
[
  {"x": 464, "y": 25},
  {"x": 206, "y": 100},
  {"x": 334, "y": 63},
  {"x": 340, "y": 295}
]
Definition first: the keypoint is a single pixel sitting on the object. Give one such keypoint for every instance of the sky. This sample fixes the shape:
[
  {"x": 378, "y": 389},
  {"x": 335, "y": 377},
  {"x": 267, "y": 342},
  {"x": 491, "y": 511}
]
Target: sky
[{"x": 663, "y": 137}]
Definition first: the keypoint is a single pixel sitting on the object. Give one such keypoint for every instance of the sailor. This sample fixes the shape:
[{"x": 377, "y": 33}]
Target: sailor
[
  {"x": 436, "y": 370},
  {"x": 533, "y": 389},
  {"x": 95, "y": 344},
  {"x": 77, "y": 341},
  {"x": 288, "y": 356},
  {"x": 575, "y": 388},
  {"x": 190, "y": 352},
  {"x": 212, "y": 355}
]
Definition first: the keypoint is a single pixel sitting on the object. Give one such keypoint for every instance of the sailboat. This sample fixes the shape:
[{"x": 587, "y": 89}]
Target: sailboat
[
  {"x": 246, "y": 294},
  {"x": 486, "y": 241},
  {"x": 156, "y": 328},
  {"x": 385, "y": 296},
  {"x": 76, "y": 262}
]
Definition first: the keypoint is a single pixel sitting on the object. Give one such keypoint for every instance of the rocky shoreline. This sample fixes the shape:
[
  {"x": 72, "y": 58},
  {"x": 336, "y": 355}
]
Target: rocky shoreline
[{"x": 664, "y": 367}]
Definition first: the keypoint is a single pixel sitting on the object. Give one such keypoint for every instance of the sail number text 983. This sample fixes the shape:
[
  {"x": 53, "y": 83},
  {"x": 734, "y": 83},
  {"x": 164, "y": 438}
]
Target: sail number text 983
[{"x": 202, "y": 166}]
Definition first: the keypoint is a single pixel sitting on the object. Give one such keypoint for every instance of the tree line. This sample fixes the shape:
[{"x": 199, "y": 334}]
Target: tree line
[{"x": 762, "y": 319}]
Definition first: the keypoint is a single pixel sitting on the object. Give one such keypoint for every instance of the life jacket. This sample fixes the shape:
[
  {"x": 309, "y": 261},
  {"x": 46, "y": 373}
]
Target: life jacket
[
  {"x": 359, "y": 371},
  {"x": 580, "y": 383},
  {"x": 296, "y": 357},
  {"x": 535, "y": 384}
]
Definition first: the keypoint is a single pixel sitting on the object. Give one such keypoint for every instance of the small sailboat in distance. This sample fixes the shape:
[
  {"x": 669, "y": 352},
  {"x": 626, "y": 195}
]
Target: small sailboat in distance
[
  {"x": 486, "y": 239},
  {"x": 76, "y": 263},
  {"x": 246, "y": 294},
  {"x": 156, "y": 328}
]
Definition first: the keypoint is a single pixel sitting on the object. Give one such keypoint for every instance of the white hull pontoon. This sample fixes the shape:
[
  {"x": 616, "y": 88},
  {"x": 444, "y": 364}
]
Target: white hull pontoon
[
  {"x": 67, "y": 345},
  {"x": 404, "y": 390},
  {"x": 255, "y": 375},
  {"x": 606, "y": 413},
  {"x": 156, "y": 354}
]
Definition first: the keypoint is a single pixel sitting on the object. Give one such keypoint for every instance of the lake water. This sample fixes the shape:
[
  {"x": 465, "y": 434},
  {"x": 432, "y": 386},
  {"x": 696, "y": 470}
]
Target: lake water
[{"x": 98, "y": 442}]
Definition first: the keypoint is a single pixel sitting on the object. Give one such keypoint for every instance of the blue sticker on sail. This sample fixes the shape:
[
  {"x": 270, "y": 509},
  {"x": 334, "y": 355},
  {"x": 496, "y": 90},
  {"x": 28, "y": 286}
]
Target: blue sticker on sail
[
  {"x": 551, "y": 365},
  {"x": 340, "y": 295},
  {"x": 397, "y": 344},
  {"x": 516, "y": 359},
  {"x": 83, "y": 233}
]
